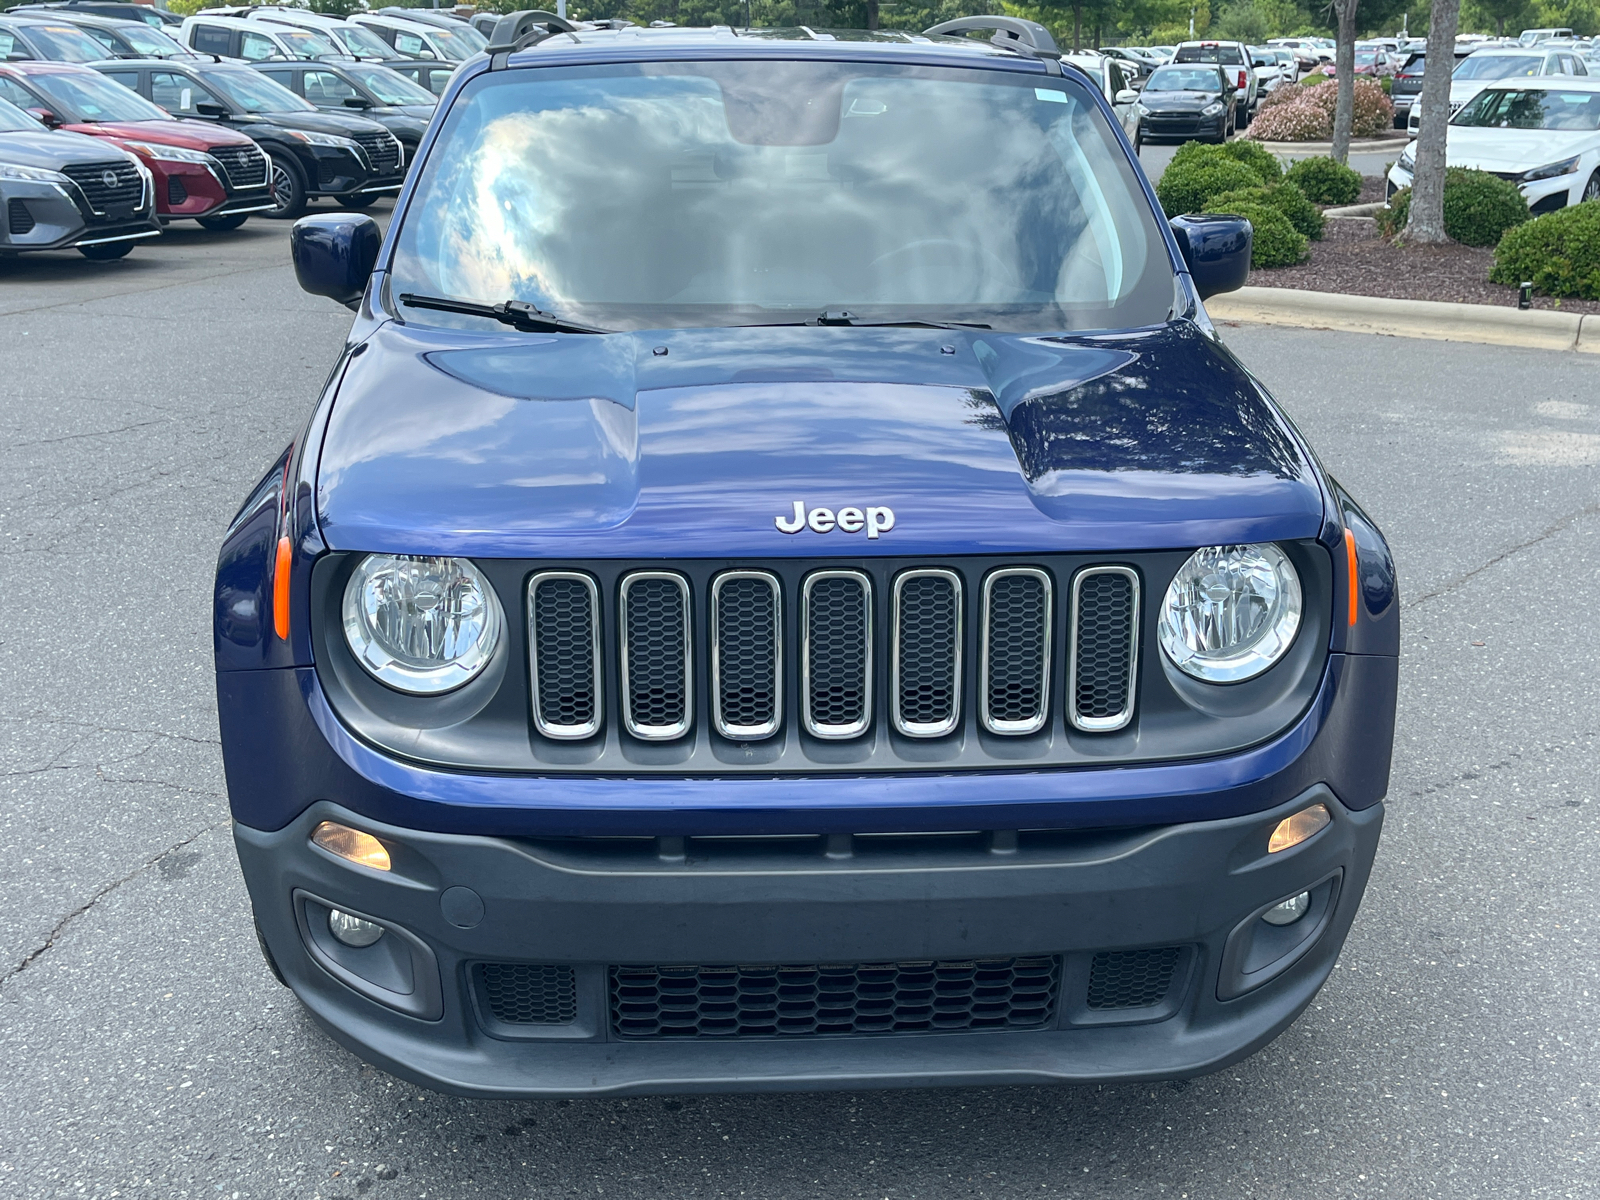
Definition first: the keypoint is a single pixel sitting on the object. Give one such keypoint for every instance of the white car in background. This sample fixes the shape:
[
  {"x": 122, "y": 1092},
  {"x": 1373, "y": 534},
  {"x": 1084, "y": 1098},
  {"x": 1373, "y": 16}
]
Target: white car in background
[
  {"x": 1482, "y": 67},
  {"x": 1542, "y": 134}
]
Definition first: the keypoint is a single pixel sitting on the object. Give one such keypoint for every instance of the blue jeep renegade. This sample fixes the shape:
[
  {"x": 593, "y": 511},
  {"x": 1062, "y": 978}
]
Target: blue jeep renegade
[{"x": 785, "y": 589}]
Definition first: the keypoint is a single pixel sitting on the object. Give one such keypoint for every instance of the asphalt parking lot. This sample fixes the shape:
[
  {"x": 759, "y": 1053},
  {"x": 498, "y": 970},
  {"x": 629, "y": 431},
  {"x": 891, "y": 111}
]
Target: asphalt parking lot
[{"x": 146, "y": 1052}]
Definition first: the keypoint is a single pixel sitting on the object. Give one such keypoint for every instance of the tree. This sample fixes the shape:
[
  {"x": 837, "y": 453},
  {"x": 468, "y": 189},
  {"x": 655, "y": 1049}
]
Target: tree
[
  {"x": 1344, "y": 58},
  {"x": 1426, "y": 221}
]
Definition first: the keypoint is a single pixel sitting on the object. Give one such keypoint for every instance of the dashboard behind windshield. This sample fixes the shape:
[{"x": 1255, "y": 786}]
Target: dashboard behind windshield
[{"x": 721, "y": 193}]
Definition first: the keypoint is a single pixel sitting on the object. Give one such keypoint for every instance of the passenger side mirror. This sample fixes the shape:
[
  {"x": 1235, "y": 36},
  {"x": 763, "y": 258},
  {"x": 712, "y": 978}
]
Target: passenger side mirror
[
  {"x": 208, "y": 109},
  {"x": 45, "y": 117},
  {"x": 334, "y": 254},
  {"x": 1216, "y": 249},
  {"x": 1126, "y": 96}
]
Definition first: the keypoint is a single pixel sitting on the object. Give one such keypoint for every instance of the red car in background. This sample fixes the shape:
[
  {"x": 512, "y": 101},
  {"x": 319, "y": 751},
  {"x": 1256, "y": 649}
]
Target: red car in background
[{"x": 215, "y": 176}]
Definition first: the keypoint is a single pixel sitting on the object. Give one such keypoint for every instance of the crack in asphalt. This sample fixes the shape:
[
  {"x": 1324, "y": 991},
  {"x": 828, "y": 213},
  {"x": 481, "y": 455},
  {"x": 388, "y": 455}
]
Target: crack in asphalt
[
  {"x": 60, "y": 928},
  {"x": 156, "y": 733},
  {"x": 1459, "y": 581},
  {"x": 98, "y": 433}
]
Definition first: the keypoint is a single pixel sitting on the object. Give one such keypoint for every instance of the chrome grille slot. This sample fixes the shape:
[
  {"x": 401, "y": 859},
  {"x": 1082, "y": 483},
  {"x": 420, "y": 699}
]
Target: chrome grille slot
[
  {"x": 1103, "y": 655},
  {"x": 836, "y": 655},
  {"x": 1014, "y": 675},
  {"x": 746, "y": 655},
  {"x": 925, "y": 673},
  {"x": 564, "y": 653},
  {"x": 657, "y": 671}
]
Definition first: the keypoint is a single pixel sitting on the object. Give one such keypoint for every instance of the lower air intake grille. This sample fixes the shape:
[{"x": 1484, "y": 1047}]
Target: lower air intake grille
[
  {"x": 565, "y": 619},
  {"x": 746, "y": 672},
  {"x": 838, "y": 663},
  {"x": 527, "y": 993},
  {"x": 1105, "y": 619},
  {"x": 927, "y": 652},
  {"x": 655, "y": 653},
  {"x": 18, "y": 218},
  {"x": 1131, "y": 978},
  {"x": 1016, "y": 650},
  {"x": 812, "y": 1001},
  {"x": 176, "y": 192}
]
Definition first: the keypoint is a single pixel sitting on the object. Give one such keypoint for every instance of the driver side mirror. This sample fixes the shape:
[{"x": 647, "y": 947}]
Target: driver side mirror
[
  {"x": 207, "y": 108},
  {"x": 1126, "y": 96},
  {"x": 1216, "y": 249},
  {"x": 334, "y": 254},
  {"x": 357, "y": 102},
  {"x": 45, "y": 117}
]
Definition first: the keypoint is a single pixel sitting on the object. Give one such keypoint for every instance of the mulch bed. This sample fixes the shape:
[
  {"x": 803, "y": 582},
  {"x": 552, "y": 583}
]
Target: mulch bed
[{"x": 1352, "y": 258}]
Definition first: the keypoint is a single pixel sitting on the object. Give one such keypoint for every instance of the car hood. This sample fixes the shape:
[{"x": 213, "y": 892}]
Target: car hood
[
  {"x": 577, "y": 445},
  {"x": 1513, "y": 149},
  {"x": 191, "y": 135},
  {"x": 316, "y": 122},
  {"x": 1178, "y": 101},
  {"x": 52, "y": 151}
]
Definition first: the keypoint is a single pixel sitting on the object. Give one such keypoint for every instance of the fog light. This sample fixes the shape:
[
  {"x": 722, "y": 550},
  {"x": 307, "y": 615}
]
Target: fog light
[
  {"x": 352, "y": 845},
  {"x": 1291, "y": 831},
  {"x": 353, "y": 931},
  {"x": 1287, "y": 913}
]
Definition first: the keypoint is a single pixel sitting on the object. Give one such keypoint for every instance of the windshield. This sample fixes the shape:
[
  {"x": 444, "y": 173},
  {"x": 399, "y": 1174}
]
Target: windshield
[
  {"x": 727, "y": 193},
  {"x": 88, "y": 96},
  {"x": 1184, "y": 79},
  {"x": 306, "y": 44},
  {"x": 1366, "y": 56},
  {"x": 254, "y": 92},
  {"x": 1577, "y": 112},
  {"x": 364, "y": 43},
  {"x": 14, "y": 120},
  {"x": 390, "y": 86},
  {"x": 150, "y": 42},
  {"x": 1497, "y": 66},
  {"x": 65, "y": 43}
]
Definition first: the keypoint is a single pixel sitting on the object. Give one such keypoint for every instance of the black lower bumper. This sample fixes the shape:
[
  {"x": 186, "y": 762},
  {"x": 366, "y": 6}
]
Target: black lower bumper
[{"x": 1187, "y": 898}]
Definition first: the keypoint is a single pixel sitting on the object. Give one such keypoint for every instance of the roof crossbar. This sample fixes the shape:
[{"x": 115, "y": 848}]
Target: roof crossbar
[{"x": 1011, "y": 33}]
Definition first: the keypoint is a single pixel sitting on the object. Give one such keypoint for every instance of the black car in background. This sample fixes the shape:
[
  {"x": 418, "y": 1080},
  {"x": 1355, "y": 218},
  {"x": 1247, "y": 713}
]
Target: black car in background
[
  {"x": 429, "y": 73},
  {"x": 67, "y": 191},
  {"x": 314, "y": 154},
  {"x": 395, "y": 102},
  {"x": 1189, "y": 101},
  {"x": 46, "y": 38},
  {"x": 1405, "y": 89}
]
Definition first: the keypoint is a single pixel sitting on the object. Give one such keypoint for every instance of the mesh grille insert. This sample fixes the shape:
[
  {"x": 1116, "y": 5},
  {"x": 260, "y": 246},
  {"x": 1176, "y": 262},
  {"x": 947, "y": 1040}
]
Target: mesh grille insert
[
  {"x": 927, "y": 653},
  {"x": 528, "y": 993},
  {"x": 838, "y": 666},
  {"x": 564, "y": 652},
  {"x": 1017, "y": 651},
  {"x": 836, "y": 1000},
  {"x": 747, "y": 673},
  {"x": 655, "y": 641},
  {"x": 1131, "y": 978},
  {"x": 1102, "y": 667}
]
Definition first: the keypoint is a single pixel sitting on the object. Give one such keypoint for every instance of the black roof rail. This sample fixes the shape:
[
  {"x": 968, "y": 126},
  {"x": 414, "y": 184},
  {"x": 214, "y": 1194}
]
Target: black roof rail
[
  {"x": 1011, "y": 33},
  {"x": 527, "y": 27}
]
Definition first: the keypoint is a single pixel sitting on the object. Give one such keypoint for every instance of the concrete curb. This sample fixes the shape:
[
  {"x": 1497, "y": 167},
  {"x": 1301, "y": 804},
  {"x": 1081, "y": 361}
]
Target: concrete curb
[
  {"x": 1538, "y": 329},
  {"x": 1357, "y": 210},
  {"x": 1377, "y": 146}
]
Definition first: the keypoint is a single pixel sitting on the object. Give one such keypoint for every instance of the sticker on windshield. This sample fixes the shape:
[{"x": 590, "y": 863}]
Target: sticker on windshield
[{"x": 1053, "y": 97}]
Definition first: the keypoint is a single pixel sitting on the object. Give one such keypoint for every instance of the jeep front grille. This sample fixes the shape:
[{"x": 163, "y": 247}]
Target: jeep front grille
[
  {"x": 657, "y": 668},
  {"x": 836, "y": 659},
  {"x": 643, "y": 628}
]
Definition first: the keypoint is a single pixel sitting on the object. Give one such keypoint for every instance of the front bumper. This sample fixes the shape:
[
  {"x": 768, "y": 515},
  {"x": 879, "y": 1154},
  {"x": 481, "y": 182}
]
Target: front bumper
[
  {"x": 1542, "y": 195},
  {"x": 42, "y": 216},
  {"x": 1158, "y": 127},
  {"x": 1193, "y": 892},
  {"x": 342, "y": 173}
]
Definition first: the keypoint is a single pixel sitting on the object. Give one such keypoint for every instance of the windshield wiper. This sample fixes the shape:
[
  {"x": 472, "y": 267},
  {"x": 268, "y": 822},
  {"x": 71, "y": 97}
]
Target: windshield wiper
[
  {"x": 840, "y": 316},
  {"x": 519, "y": 314}
]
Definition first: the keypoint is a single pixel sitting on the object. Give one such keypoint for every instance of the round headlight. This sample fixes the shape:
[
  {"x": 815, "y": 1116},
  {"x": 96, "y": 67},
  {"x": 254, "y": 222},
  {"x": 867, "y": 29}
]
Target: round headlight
[
  {"x": 421, "y": 625},
  {"x": 1230, "y": 612}
]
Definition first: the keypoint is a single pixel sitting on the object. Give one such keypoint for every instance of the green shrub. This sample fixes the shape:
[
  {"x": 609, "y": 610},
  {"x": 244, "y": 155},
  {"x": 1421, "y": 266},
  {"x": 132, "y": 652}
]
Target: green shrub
[
  {"x": 1324, "y": 181},
  {"x": 1478, "y": 208},
  {"x": 1275, "y": 242},
  {"x": 1257, "y": 157},
  {"x": 1313, "y": 79},
  {"x": 1305, "y": 216},
  {"x": 1559, "y": 252},
  {"x": 1187, "y": 187},
  {"x": 1387, "y": 84}
]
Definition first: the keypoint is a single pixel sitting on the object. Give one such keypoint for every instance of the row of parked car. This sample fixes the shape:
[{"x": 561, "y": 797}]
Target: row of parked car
[{"x": 111, "y": 128}]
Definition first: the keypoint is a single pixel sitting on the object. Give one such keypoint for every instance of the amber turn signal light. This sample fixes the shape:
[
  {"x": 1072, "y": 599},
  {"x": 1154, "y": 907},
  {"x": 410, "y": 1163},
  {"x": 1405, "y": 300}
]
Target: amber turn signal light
[
  {"x": 280, "y": 589},
  {"x": 1291, "y": 831},
  {"x": 351, "y": 845}
]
